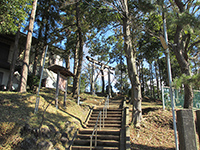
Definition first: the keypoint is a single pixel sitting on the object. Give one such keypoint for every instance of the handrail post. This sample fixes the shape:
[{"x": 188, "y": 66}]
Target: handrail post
[
  {"x": 95, "y": 131},
  {"x": 108, "y": 102},
  {"x": 103, "y": 117},
  {"x": 100, "y": 121},
  {"x": 106, "y": 112},
  {"x": 96, "y": 138},
  {"x": 105, "y": 109},
  {"x": 91, "y": 142}
]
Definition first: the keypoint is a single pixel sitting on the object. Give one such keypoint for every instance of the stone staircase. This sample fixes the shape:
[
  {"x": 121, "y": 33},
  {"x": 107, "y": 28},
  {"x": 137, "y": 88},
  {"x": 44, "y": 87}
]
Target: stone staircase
[{"x": 108, "y": 138}]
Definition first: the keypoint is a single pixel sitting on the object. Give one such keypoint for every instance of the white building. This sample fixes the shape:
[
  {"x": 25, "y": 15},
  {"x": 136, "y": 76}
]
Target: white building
[{"x": 6, "y": 56}]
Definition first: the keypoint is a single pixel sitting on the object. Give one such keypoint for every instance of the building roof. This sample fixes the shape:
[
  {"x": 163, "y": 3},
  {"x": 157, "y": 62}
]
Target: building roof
[{"x": 64, "y": 72}]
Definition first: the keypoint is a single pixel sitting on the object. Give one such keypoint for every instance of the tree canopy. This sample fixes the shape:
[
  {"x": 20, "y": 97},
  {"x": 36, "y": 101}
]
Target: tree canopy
[{"x": 13, "y": 14}]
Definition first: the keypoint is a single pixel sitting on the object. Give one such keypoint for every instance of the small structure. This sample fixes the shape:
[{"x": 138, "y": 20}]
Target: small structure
[{"x": 64, "y": 73}]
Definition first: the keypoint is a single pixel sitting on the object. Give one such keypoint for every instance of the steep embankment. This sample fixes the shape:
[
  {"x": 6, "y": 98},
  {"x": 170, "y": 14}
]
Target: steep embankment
[{"x": 156, "y": 131}]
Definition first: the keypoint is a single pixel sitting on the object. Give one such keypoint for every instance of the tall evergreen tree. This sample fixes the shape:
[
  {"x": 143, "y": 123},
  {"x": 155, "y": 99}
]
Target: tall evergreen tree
[
  {"x": 183, "y": 29},
  {"x": 187, "y": 20},
  {"x": 25, "y": 66}
]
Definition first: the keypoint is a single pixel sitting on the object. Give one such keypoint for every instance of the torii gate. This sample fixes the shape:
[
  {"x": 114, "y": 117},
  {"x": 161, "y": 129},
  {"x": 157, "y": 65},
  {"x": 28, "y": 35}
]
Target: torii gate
[{"x": 102, "y": 66}]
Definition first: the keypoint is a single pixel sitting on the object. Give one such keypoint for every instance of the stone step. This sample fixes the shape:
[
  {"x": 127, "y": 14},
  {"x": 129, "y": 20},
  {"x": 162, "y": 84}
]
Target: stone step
[
  {"x": 110, "y": 107},
  {"x": 107, "y": 118},
  {"x": 110, "y": 143},
  {"x": 109, "y": 136},
  {"x": 108, "y": 115},
  {"x": 99, "y": 137},
  {"x": 94, "y": 148},
  {"x": 109, "y": 110},
  {"x": 105, "y": 121},
  {"x": 102, "y": 132},
  {"x": 106, "y": 125}
]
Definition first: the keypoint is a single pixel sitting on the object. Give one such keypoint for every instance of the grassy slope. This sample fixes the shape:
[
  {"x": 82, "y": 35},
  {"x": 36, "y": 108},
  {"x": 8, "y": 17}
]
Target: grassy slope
[{"x": 17, "y": 109}]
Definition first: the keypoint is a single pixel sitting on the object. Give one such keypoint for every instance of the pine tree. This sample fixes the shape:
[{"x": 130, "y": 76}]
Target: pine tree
[{"x": 25, "y": 66}]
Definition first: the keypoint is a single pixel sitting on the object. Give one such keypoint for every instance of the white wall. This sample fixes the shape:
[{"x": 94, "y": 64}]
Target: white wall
[
  {"x": 5, "y": 76},
  {"x": 51, "y": 76},
  {"x": 51, "y": 79}
]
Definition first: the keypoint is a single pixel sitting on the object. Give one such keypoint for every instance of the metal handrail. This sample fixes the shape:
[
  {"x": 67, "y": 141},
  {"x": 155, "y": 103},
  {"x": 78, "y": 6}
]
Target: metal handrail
[
  {"x": 95, "y": 131},
  {"x": 72, "y": 141},
  {"x": 106, "y": 105},
  {"x": 105, "y": 108}
]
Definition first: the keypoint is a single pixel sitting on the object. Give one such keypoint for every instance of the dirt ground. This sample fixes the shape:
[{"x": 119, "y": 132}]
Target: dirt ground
[{"x": 156, "y": 130}]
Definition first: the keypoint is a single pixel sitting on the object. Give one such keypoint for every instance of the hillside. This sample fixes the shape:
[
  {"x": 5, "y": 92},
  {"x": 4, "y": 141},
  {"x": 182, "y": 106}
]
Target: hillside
[{"x": 19, "y": 126}]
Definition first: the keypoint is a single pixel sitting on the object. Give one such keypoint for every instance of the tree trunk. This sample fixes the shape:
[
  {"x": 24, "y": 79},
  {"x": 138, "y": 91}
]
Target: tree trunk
[
  {"x": 121, "y": 74},
  {"x": 35, "y": 61},
  {"x": 37, "y": 50},
  {"x": 44, "y": 45},
  {"x": 25, "y": 66},
  {"x": 185, "y": 69},
  {"x": 160, "y": 72},
  {"x": 75, "y": 65},
  {"x": 142, "y": 78},
  {"x": 42, "y": 59},
  {"x": 182, "y": 57},
  {"x": 151, "y": 79},
  {"x": 103, "y": 82},
  {"x": 80, "y": 52},
  {"x": 76, "y": 56},
  {"x": 131, "y": 62},
  {"x": 14, "y": 58},
  {"x": 68, "y": 61},
  {"x": 157, "y": 82}
]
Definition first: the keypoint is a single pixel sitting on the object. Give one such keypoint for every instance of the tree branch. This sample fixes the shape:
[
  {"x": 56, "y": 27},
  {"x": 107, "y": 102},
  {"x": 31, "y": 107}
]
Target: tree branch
[
  {"x": 180, "y": 5},
  {"x": 193, "y": 44},
  {"x": 157, "y": 36},
  {"x": 195, "y": 56},
  {"x": 112, "y": 5},
  {"x": 187, "y": 38}
]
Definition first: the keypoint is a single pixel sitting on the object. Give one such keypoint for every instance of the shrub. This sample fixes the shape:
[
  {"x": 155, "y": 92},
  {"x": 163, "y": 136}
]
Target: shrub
[{"x": 33, "y": 80}]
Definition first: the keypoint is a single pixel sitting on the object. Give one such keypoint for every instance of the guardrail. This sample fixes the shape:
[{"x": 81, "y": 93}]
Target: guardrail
[{"x": 105, "y": 110}]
